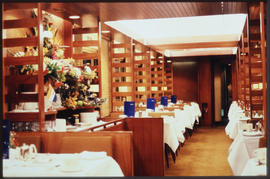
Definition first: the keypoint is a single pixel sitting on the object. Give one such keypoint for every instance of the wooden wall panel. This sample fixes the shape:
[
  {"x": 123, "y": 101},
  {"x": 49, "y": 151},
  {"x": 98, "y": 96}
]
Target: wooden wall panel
[
  {"x": 234, "y": 78},
  {"x": 185, "y": 80},
  {"x": 217, "y": 91},
  {"x": 205, "y": 89},
  {"x": 148, "y": 145}
]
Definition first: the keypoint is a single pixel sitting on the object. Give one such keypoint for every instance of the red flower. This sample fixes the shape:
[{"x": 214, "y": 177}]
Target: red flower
[
  {"x": 46, "y": 71},
  {"x": 57, "y": 84}
]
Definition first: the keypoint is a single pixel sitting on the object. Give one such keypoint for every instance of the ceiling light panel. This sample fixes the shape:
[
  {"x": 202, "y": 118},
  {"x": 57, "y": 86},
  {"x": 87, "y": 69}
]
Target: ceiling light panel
[{"x": 183, "y": 30}]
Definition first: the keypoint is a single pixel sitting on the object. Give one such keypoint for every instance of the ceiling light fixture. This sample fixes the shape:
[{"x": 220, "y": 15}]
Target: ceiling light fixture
[{"x": 74, "y": 17}]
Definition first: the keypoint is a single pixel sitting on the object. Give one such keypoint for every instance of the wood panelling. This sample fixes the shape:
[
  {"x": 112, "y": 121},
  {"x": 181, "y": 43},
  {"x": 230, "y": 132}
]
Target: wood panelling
[
  {"x": 205, "y": 89},
  {"x": 148, "y": 145},
  {"x": 185, "y": 80}
]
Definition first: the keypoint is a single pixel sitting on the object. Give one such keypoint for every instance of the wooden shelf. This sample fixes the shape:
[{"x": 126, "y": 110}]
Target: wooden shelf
[{"x": 27, "y": 116}]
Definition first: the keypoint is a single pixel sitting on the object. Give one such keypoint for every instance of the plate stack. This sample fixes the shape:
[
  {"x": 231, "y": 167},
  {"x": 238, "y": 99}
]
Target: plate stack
[{"x": 89, "y": 117}]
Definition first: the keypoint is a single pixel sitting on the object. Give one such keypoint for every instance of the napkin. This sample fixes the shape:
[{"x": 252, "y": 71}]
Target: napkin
[{"x": 92, "y": 155}]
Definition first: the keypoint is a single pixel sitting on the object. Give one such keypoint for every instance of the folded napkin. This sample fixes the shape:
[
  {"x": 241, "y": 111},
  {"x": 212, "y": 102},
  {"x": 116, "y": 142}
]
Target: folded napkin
[
  {"x": 92, "y": 155},
  {"x": 252, "y": 133}
]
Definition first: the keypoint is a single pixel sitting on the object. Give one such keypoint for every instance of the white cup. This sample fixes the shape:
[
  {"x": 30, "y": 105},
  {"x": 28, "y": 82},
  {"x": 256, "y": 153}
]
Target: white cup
[{"x": 60, "y": 125}]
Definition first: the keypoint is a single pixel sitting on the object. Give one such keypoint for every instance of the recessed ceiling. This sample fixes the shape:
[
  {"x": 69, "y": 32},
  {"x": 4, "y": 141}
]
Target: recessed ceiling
[{"x": 171, "y": 35}]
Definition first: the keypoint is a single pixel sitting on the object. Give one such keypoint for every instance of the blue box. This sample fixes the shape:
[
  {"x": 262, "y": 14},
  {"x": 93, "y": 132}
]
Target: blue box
[
  {"x": 173, "y": 98},
  {"x": 164, "y": 100},
  {"x": 151, "y": 103},
  {"x": 6, "y": 134},
  {"x": 129, "y": 108}
]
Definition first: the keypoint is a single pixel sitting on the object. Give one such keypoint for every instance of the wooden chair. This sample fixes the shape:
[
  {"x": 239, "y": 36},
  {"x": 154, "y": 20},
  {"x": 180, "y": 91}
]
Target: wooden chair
[
  {"x": 29, "y": 140},
  {"x": 73, "y": 144}
]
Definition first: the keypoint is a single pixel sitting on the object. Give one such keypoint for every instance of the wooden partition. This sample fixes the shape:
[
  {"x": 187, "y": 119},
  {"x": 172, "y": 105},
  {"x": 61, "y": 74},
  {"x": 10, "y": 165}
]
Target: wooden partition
[
  {"x": 122, "y": 147},
  {"x": 148, "y": 145},
  {"x": 142, "y": 74},
  {"x": 157, "y": 73},
  {"x": 168, "y": 77},
  {"x": 122, "y": 70},
  {"x": 14, "y": 41}
]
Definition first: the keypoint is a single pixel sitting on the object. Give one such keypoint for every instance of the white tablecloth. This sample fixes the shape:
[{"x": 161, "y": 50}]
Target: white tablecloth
[
  {"x": 236, "y": 119},
  {"x": 252, "y": 169},
  {"x": 241, "y": 151},
  {"x": 51, "y": 165},
  {"x": 170, "y": 136},
  {"x": 184, "y": 117}
]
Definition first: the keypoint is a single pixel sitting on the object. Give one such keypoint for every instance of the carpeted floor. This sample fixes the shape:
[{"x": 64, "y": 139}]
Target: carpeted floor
[{"x": 204, "y": 154}]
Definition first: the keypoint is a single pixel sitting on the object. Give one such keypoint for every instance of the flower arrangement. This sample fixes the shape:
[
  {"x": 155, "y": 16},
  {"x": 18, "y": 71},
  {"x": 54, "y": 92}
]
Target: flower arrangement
[{"x": 72, "y": 83}]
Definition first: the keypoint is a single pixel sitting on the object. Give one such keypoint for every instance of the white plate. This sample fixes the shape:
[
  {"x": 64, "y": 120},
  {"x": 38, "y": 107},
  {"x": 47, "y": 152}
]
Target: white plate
[
  {"x": 71, "y": 127},
  {"x": 85, "y": 124}
]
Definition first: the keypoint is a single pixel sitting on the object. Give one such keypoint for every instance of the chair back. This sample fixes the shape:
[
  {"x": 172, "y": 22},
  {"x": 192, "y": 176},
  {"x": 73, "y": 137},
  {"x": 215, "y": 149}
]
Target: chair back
[{"x": 73, "y": 144}]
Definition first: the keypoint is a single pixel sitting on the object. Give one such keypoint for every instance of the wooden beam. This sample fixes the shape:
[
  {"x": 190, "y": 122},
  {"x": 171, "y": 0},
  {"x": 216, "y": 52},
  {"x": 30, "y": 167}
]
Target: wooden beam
[{"x": 197, "y": 45}]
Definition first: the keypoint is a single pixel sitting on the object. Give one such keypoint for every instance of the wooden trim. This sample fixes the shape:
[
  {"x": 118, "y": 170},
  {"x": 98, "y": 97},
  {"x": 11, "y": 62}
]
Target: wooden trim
[
  {"x": 122, "y": 94},
  {"x": 85, "y": 43},
  {"x": 256, "y": 93},
  {"x": 85, "y": 30},
  {"x": 118, "y": 103},
  {"x": 256, "y": 65},
  {"x": 23, "y": 98},
  {"x": 157, "y": 65},
  {"x": 14, "y": 42},
  {"x": 138, "y": 77},
  {"x": 121, "y": 55},
  {"x": 122, "y": 74},
  {"x": 141, "y": 92},
  {"x": 141, "y": 62},
  {"x": 21, "y": 60},
  {"x": 85, "y": 56},
  {"x": 20, "y": 23},
  {"x": 141, "y": 69},
  {"x": 13, "y": 6},
  {"x": 121, "y": 64},
  {"x": 115, "y": 84},
  {"x": 257, "y": 106},
  {"x": 122, "y": 45},
  {"x": 142, "y": 84},
  {"x": 141, "y": 54},
  {"x": 27, "y": 116}
]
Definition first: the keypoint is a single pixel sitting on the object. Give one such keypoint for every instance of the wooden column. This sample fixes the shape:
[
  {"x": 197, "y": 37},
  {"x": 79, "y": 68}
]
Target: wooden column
[{"x": 41, "y": 114}]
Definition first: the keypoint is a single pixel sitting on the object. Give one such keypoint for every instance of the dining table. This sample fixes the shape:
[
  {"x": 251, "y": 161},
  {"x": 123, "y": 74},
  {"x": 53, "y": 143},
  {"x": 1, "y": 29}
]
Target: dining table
[
  {"x": 252, "y": 168},
  {"x": 241, "y": 150},
  {"x": 84, "y": 164}
]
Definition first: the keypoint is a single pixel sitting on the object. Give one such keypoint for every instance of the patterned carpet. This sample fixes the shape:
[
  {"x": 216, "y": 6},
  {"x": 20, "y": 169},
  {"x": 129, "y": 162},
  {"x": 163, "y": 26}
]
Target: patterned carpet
[{"x": 204, "y": 154}]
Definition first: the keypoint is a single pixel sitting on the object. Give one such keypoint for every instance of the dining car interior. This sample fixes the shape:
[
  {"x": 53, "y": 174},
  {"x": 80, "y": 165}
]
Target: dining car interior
[{"x": 119, "y": 89}]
